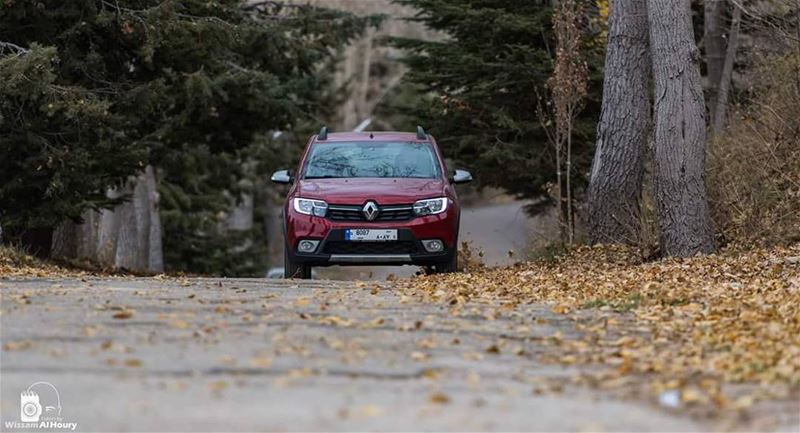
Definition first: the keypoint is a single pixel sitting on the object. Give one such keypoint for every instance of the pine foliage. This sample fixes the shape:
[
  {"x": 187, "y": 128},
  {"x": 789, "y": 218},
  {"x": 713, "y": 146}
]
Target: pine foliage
[
  {"x": 485, "y": 77},
  {"x": 91, "y": 91}
]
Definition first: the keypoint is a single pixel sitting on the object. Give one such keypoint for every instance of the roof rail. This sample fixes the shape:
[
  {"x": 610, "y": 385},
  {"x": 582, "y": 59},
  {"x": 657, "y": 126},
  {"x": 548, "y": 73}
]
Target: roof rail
[
  {"x": 421, "y": 133},
  {"x": 323, "y": 133}
]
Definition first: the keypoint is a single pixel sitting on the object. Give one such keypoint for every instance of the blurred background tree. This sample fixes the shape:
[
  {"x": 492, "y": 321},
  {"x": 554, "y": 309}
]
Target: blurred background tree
[
  {"x": 95, "y": 91},
  {"x": 479, "y": 85},
  {"x": 157, "y": 120}
]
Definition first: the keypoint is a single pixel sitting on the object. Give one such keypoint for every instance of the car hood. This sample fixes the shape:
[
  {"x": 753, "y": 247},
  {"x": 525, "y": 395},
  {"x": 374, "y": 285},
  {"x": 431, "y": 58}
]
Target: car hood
[{"x": 385, "y": 191}]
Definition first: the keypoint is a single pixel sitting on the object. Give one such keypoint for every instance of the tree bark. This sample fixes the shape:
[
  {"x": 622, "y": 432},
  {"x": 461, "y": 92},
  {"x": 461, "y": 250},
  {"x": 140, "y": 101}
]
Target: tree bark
[
  {"x": 155, "y": 253},
  {"x": 127, "y": 237},
  {"x": 562, "y": 193},
  {"x": 77, "y": 241},
  {"x": 349, "y": 109},
  {"x": 721, "y": 110},
  {"x": 615, "y": 185},
  {"x": 714, "y": 42},
  {"x": 125, "y": 257},
  {"x": 364, "y": 85},
  {"x": 86, "y": 236},
  {"x": 107, "y": 231},
  {"x": 570, "y": 210},
  {"x": 240, "y": 218},
  {"x": 139, "y": 236},
  {"x": 273, "y": 225},
  {"x": 680, "y": 132},
  {"x": 65, "y": 242}
]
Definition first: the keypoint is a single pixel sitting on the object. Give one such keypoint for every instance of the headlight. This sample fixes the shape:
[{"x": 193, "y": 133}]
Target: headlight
[
  {"x": 431, "y": 206},
  {"x": 310, "y": 207}
]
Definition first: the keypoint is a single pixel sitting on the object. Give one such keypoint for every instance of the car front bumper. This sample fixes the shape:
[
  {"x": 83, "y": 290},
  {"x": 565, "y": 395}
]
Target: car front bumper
[
  {"x": 407, "y": 250},
  {"x": 333, "y": 249}
]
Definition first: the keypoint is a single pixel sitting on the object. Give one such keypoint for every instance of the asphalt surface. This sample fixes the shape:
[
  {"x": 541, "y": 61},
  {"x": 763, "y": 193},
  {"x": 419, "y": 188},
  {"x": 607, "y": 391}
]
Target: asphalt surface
[
  {"x": 275, "y": 355},
  {"x": 501, "y": 232}
]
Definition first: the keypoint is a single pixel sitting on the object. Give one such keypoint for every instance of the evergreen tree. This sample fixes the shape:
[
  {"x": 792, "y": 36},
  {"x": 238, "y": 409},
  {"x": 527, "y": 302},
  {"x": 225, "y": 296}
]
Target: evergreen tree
[
  {"x": 99, "y": 89},
  {"x": 59, "y": 146},
  {"x": 483, "y": 80}
]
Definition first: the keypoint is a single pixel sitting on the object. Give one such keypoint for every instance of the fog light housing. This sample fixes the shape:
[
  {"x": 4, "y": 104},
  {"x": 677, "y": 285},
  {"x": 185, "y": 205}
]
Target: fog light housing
[
  {"x": 307, "y": 246},
  {"x": 433, "y": 245}
]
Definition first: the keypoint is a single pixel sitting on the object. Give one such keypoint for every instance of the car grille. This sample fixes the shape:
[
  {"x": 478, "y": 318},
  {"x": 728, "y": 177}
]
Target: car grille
[
  {"x": 385, "y": 213},
  {"x": 349, "y": 247}
]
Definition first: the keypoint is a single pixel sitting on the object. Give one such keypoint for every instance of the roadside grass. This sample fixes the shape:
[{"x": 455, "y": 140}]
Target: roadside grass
[
  {"x": 14, "y": 256},
  {"x": 16, "y": 263}
]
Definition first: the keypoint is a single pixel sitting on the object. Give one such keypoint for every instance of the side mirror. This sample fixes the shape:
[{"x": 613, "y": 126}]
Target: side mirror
[
  {"x": 282, "y": 176},
  {"x": 461, "y": 176}
]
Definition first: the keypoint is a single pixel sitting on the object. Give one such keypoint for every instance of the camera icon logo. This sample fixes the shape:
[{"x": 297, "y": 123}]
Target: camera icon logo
[{"x": 30, "y": 408}]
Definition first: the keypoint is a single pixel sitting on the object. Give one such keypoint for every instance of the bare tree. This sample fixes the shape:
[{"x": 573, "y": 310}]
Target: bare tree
[
  {"x": 615, "y": 186},
  {"x": 568, "y": 88},
  {"x": 680, "y": 131},
  {"x": 721, "y": 104},
  {"x": 714, "y": 42}
]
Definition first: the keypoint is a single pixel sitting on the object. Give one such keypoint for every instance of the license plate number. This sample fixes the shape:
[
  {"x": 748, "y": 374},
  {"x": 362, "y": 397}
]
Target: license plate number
[{"x": 370, "y": 235}]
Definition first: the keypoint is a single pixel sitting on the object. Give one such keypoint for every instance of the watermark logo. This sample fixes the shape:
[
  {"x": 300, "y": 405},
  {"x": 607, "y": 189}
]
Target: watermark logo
[
  {"x": 40, "y": 408},
  {"x": 30, "y": 408}
]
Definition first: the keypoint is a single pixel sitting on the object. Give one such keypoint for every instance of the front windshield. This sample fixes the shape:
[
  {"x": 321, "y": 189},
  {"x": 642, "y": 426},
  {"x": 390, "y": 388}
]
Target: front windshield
[{"x": 371, "y": 159}]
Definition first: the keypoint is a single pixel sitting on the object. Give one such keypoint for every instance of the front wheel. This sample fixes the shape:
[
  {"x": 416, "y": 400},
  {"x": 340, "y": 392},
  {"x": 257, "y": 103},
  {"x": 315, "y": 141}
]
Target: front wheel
[
  {"x": 449, "y": 266},
  {"x": 292, "y": 269}
]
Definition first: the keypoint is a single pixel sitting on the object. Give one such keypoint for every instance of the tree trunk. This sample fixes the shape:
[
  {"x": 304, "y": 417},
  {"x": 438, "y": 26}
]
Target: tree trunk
[
  {"x": 721, "y": 109},
  {"x": 273, "y": 225},
  {"x": 107, "y": 231},
  {"x": 714, "y": 42},
  {"x": 127, "y": 237},
  {"x": 155, "y": 252},
  {"x": 363, "y": 91},
  {"x": 797, "y": 28},
  {"x": 561, "y": 183},
  {"x": 139, "y": 236},
  {"x": 570, "y": 210},
  {"x": 77, "y": 241},
  {"x": 241, "y": 218},
  {"x": 615, "y": 186},
  {"x": 65, "y": 242},
  {"x": 349, "y": 108},
  {"x": 125, "y": 255},
  {"x": 241, "y": 215},
  {"x": 86, "y": 236},
  {"x": 680, "y": 132}
]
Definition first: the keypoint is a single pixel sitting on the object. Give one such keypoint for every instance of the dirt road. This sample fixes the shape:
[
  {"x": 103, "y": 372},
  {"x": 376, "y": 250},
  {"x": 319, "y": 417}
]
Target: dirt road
[{"x": 211, "y": 354}]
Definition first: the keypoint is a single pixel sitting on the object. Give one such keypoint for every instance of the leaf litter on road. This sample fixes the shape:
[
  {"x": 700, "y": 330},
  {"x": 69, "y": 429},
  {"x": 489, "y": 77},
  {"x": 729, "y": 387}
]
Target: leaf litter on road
[{"x": 687, "y": 325}]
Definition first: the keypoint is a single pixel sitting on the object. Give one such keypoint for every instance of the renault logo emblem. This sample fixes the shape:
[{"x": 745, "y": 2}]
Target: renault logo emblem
[{"x": 370, "y": 210}]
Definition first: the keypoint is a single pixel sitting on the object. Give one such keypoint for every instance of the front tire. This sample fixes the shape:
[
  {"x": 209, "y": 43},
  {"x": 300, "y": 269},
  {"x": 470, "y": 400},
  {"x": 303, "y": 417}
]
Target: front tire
[
  {"x": 451, "y": 265},
  {"x": 292, "y": 269}
]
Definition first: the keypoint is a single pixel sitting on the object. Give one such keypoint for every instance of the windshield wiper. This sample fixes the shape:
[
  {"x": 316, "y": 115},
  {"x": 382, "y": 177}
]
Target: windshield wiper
[{"x": 322, "y": 177}]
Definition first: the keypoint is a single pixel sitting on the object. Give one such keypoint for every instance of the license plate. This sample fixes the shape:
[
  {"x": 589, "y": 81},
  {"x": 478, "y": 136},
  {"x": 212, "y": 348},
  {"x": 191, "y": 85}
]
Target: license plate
[{"x": 370, "y": 235}]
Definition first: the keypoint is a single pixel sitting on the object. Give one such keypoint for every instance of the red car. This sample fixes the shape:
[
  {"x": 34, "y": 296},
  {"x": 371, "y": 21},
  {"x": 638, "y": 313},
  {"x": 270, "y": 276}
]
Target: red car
[{"x": 371, "y": 198}]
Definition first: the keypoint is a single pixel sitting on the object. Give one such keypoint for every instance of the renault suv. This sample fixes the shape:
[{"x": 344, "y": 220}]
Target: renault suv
[{"x": 371, "y": 198}]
